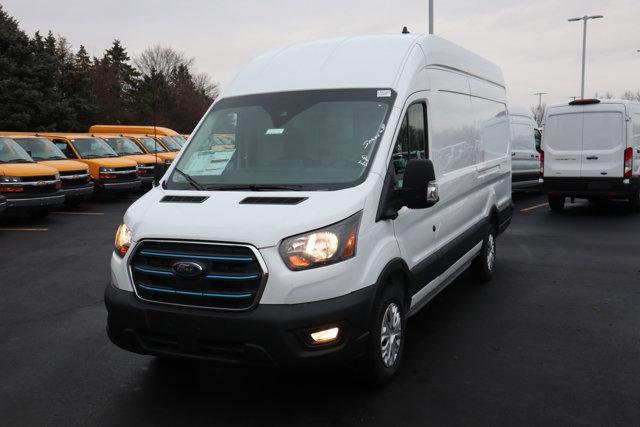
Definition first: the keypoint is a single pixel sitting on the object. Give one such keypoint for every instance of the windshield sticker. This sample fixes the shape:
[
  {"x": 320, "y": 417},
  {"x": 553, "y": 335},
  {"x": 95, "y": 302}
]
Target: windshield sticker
[
  {"x": 275, "y": 131},
  {"x": 364, "y": 161},
  {"x": 384, "y": 93},
  {"x": 368, "y": 142}
]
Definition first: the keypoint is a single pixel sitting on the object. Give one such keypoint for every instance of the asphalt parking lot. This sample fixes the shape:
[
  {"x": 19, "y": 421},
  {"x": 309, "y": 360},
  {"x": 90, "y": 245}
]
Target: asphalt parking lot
[{"x": 554, "y": 339}]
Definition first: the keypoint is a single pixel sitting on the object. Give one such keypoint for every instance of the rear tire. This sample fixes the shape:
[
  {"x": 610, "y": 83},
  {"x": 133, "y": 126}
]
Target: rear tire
[
  {"x": 484, "y": 264},
  {"x": 634, "y": 202},
  {"x": 386, "y": 341},
  {"x": 556, "y": 203}
]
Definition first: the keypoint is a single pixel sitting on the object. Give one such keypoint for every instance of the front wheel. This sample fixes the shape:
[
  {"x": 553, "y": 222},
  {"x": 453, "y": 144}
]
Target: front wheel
[
  {"x": 556, "y": 203},
  {"x": 386, "y": 342},
  {"x": 484, "y": 264}
]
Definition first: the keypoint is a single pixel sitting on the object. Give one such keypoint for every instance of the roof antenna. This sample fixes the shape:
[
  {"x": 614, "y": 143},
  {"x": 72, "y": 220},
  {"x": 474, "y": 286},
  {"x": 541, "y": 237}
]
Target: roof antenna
[{"x": 405, "y": 30}]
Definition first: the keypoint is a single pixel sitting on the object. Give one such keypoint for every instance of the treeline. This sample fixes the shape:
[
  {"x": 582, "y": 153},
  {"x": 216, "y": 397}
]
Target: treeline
[{"x": 47, "y": 86}]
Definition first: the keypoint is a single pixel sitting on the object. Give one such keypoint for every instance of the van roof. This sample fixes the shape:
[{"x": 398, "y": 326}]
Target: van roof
[
  {"x": 137, "y": 129},
  {"x": 520, "y": 110},
  {"x": 601, "y": 102},
  {"x": 353, "y": 62}
]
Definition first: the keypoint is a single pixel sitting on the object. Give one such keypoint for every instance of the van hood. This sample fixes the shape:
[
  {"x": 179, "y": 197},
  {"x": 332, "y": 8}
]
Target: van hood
[
  {"x": 142, "y": 158},
  {"x": 221, "y": 218},
  {"x": 111, "y": 162},
  {"x": 65, "y": 165},
  {"x": 26, "y": 169}
]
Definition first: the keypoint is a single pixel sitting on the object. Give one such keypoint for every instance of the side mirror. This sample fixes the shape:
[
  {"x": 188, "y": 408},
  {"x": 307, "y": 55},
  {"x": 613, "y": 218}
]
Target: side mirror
[
  {"x": 158, "y": 172},
  {"x": 419, "y": 186}
]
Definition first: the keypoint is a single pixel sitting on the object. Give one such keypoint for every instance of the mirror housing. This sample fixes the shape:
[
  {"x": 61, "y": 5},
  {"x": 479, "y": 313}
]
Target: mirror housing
[
  {"x": 158, "y": 172},
  {"x": 420, "y": 189}
]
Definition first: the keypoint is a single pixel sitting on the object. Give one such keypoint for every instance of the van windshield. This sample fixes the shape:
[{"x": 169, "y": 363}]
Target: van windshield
[
  {"x": 170, "y": 143},
  {"x": 93, "y": 147},
  {"x": 40, "y": 149},
  {"x": 11, "y": 152},
  {"x": 312, "y": 140},
  {"x": 123, "y": 146},
  {"x": 179, "y": 139},
  {"x": 151, "y": 145}
]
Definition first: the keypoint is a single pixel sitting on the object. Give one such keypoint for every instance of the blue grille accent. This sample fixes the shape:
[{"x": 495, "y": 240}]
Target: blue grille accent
[{"x": 232, "y": 277}]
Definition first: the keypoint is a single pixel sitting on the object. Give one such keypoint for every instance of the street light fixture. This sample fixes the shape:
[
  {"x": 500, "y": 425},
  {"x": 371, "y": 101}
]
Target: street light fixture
[
  {"x": 539, "y": 95},
  {"x": 584, "y": 19}
]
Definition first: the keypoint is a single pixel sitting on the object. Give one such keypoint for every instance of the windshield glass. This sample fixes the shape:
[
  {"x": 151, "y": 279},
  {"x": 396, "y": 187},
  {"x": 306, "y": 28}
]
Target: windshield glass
[
  {"x": 40, "y": 149},
  {"x": 170, "y": 143},
  {"x": 93, "y": 147},
  {"x": 151, "y": 145},
  {"x": 11, "y": 152},
  {"x": 179, "y": 139},
  {"x": 123, "y": 146},
  {"x": 315, "y": 140}
]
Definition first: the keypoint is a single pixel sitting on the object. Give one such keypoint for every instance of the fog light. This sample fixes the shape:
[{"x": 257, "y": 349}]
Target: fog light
[{"x": 325, "y": 336}]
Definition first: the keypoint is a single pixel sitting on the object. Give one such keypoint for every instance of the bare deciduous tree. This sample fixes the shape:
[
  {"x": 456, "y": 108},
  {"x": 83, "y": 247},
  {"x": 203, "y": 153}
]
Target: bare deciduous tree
[
  {"x": 161, "y": 59},
  {"x": 538, "y": 112}
]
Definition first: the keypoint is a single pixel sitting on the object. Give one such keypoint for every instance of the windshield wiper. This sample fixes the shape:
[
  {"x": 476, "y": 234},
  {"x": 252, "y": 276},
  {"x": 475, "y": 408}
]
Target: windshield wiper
[
  {"x": 17, "y": 161},
  {"x": 256, "y": 187},
  {"x": 195, "y": 184}
]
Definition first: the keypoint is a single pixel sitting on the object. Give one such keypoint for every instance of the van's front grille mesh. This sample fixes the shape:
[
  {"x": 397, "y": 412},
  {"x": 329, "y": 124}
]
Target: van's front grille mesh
[{"x": 225, "y": 277}]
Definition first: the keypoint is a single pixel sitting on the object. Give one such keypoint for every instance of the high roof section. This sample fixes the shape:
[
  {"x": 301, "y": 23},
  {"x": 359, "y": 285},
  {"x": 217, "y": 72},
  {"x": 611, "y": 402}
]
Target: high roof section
[{"x": 354, "y": 62}]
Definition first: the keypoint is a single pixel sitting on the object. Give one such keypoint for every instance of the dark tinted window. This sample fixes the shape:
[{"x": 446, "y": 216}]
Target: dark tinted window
[{"x": 411, "y": 143}]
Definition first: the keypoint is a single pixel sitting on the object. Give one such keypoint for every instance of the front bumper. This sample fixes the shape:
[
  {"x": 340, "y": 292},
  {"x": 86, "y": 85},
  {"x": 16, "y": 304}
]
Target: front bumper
[
  {"x": 116, "y": 186},
  {"x": 591, "y": 187},
  {"x": 3, "y": 204},
  {"x": 81, "y": 191},
  {"x": 50, "y": 200},
  {"x": 147, "y": 180},
  {"x": 267, "y": 335}
]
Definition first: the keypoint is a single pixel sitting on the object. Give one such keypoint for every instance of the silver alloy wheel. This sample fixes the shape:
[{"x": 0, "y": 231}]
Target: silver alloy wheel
[
  {"x": 491, "y": 252},
  {"x": 390, "y": 335}
]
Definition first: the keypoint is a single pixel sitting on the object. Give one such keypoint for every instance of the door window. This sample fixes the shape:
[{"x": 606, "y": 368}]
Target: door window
[
  {"x": 65, "y": 148},
  {"x": 412, "y": 140}
]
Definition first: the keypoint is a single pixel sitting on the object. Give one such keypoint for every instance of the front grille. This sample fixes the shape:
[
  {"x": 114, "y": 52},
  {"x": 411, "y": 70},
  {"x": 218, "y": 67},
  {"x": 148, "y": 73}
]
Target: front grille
[
  {"x": 231, "y": 276},
  {"x": 163, "y": 343},
  {"x": 126, "y": 168},
  {"x": 38, "y": 178},
  {"x": 70, "y": 173}
]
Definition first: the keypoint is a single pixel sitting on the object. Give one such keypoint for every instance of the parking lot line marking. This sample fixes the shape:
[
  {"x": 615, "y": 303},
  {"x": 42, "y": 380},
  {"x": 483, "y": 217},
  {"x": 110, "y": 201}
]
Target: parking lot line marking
[
  {"x": 24, "y": 229},
  {"x": 77, "y": 213},
  {"x": 541, "y": 205}
]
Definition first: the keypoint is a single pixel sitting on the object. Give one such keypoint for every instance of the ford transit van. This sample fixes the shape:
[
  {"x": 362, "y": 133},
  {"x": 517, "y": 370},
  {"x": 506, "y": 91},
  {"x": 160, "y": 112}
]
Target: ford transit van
[
  {"x": 27, "y": 185},
  {"x": 366, "y": 174},
  {"x": 591, "y": 150},
  {"x": 525, "y": 158},
  {"x": 109, "y": 172},
  {"x": 74, "y": 175}
]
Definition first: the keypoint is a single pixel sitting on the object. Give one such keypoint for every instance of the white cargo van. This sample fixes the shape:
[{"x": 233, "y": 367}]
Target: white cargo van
[
  {"x": 365, "y": 175},
  {"x": 525, "y": 159},
  {"x": 591, "y": 150}
]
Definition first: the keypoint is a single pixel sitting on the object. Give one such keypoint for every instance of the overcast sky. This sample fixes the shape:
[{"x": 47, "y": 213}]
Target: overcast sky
[{"x": 532, "y": 41}]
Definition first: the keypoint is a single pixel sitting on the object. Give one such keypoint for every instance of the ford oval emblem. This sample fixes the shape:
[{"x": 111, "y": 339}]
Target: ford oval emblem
[{"x": 187, "y": 269}]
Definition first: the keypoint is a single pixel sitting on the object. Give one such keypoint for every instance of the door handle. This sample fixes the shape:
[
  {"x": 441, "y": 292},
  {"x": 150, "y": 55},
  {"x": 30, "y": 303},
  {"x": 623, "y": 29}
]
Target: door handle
[{"x": 592, "y": 158}]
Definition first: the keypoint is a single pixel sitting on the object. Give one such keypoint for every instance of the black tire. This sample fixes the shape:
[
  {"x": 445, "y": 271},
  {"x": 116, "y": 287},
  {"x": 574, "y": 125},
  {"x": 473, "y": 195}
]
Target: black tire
[
  {"x": 39, "y": 213},
  {"x": 556, "y": 203},
  {"x": 379, "y": 370},
  {"x": 484, "y": 264},
  {"x": 634, "y": 202}
]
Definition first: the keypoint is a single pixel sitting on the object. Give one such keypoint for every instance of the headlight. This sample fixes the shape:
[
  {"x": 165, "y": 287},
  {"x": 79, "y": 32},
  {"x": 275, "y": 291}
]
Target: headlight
[
  {"x": 57, "y": 176},
  {"x": 123, "y": 240},
  {"x": 335, "y": 243},
  {"x": 107, "y": 170},
  {"x": 10, "y": 179},
  {"x": 141, "y": 165},
  {"x": 167, "y": 162}
]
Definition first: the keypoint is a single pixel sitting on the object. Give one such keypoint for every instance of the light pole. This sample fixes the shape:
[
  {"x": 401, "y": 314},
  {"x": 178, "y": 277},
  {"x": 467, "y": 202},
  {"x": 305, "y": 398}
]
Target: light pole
[
  {"x": 430, "y": 16},
  {"x": 539, "y": 94},
  {"x": 584, "y": 19}
]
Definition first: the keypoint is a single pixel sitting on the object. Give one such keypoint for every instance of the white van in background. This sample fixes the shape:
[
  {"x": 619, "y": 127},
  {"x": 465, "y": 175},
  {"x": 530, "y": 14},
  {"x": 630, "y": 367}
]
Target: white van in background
[
  {"x": 591, "y": 150},
  {"x": 366, "y": 174},
  {"x": 525, "y": 159}
]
